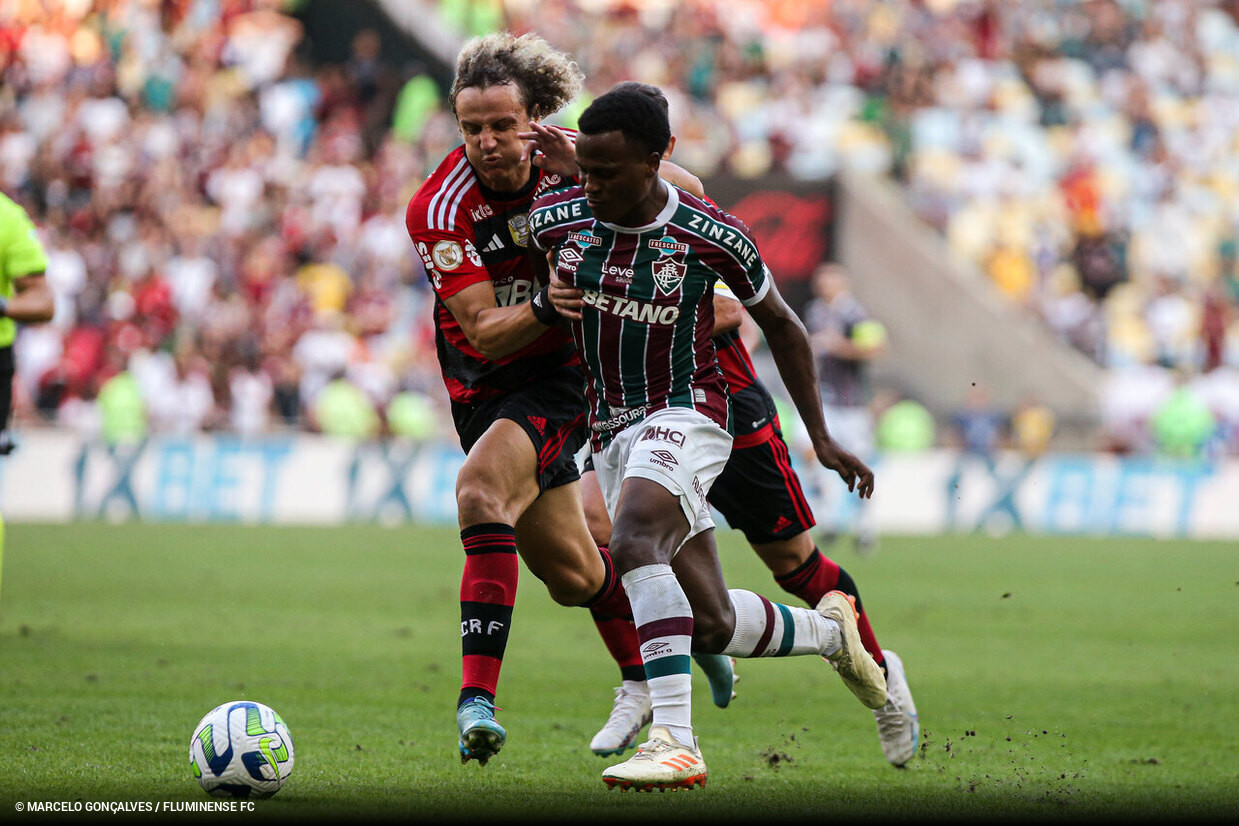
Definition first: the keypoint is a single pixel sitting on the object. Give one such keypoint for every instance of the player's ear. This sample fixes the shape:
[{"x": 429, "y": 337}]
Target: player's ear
[{"x": 670, "y": 148}]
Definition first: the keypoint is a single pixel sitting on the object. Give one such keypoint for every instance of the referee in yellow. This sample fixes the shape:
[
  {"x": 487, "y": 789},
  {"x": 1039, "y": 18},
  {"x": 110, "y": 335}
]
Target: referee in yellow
[{"x": 24, "y": 297}]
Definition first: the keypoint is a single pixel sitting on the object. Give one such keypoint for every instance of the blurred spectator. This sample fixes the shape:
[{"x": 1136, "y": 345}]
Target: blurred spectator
[
  {"x": 1182, "y": 424},
  {"x": 845, "y": 340},
  {"x": 177, "y": 391},
  {"x": 342, "y": 409},
  {"x": 122, "y": 412},
  {"x": 904, "y": 425},
  {"x": 1032, "y": 427},
  {"x": 979, "y": 429},
  {"x": 185, "y": 161},
  {"x": 411, "y": 415},
  {"x": 251, "y": 393}
]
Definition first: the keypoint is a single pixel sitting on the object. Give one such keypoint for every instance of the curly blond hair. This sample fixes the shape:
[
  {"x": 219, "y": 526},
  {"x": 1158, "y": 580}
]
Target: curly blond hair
[{"x": 547, "y": 79}]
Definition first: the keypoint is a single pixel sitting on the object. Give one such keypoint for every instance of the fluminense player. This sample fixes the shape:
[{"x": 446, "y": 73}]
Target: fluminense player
[
  {"x": 513, "y": 378},
  {"x": 646, "y": 256},
  {"x": 758, "y": 493}
]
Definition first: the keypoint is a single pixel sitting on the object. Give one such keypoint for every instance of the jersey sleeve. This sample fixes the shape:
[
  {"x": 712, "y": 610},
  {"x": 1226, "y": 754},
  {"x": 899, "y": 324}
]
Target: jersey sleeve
[
  {"x": 728, "y": 248},
  {"x": 451, "y": 260},
  {"x": 22, "y": 251},
  {"x": 547, "y": 225}
]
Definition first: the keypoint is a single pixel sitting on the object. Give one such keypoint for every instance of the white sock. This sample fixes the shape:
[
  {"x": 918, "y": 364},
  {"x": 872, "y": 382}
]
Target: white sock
[
  {"x": 771, "y": 629},
  {"x": 664, "y": 621}
]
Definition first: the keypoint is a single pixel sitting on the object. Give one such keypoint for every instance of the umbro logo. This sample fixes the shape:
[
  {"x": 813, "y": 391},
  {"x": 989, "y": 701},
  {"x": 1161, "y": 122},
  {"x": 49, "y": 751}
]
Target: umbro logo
[
  {"x": 666, "y": 455},
  {"x": 655, "y": 648}
]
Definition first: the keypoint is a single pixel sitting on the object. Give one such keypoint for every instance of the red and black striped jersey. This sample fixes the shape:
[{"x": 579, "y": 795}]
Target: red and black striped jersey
[
  {"x": 466, "y": 234},
  {"x": 645, "y": 335}
]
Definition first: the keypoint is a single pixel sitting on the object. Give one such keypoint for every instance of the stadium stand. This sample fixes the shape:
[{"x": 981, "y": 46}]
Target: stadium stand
[{"x": 243, "y": 207}]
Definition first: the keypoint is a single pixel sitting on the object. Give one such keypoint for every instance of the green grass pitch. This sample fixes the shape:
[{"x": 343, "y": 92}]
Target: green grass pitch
[{"x": 1057, "y": 679}]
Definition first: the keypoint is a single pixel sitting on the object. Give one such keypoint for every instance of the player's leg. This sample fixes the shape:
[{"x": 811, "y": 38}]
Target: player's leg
[
  {"x": 7, "y": 371},
  {"x": 517, "y": 492},
  {"x": 667, "y": 466},
  {"x": 665, "y": 606},
  {"x": 649, "y": 527},
  {"x": 654, "y": 477},
  {"x": 759, "y": 493},
  {"x": 495, "y": 485},
  {"x": 761, "y": 628},
  {"x": 630, "y": 710}
]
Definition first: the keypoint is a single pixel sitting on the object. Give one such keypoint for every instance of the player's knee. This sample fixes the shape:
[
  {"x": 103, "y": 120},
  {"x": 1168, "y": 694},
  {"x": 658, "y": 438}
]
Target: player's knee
[
  {"x": 478, "y": 502},
  {"x": 636, "y": 544},
  {"x": 714, "y": 624},
  {"x": 711, "y": 635},
  {"x": 568, "y": 587}
]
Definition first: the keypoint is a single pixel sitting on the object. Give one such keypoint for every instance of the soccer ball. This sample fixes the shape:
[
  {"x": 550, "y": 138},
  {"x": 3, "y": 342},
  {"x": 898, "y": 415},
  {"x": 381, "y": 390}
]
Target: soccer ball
[{"x": 241, "y": 749}]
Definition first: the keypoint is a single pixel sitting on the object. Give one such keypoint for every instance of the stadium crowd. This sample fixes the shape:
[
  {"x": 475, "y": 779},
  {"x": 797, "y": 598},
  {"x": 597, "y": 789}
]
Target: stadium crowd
[{"x": 225, "y": 223}]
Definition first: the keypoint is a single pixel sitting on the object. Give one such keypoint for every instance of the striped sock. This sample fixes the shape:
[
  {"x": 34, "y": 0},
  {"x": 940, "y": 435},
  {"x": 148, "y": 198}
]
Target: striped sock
[
  {"x": 665, "y": 628},
  {"x": 611, "y": 600},
  {"x": 620, "y": 636},
  {"x": 771, "y": 629},
  {"x": 487, "y": 596},
  {"x": 818, "y": 576}
]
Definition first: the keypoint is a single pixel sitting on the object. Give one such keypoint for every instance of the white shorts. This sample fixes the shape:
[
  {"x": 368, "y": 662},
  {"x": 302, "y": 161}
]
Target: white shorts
[{"x": 679, "y": 448}]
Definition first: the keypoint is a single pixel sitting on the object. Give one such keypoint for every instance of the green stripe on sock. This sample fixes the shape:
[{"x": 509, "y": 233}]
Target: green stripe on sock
[
  {"x": 789, "y": 630},
  {"x": 667, "y": 666}
]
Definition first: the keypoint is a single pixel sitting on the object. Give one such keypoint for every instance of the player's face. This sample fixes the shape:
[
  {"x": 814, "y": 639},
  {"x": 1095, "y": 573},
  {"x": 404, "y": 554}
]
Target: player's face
[
  {"x": 618, "y": 178},
  {"x": 489, "y": 120}
]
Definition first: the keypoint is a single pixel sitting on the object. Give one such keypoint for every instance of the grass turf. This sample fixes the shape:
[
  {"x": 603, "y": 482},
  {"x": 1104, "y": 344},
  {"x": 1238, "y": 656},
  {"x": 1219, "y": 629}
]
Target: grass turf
[{"x": 1057, "y": 679}]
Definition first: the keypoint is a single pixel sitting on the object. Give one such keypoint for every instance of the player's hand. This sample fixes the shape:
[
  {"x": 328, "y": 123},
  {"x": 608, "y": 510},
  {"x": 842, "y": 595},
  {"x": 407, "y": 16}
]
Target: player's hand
[
  {"x": 549, "y": 148},
  {"x": 566, "y": 300},
  {"x": 855, "y": 473}
]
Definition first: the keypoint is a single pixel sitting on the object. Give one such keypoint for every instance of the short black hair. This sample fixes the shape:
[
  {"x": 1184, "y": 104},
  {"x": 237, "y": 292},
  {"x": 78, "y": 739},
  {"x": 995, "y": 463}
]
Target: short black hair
[
  {"x": 645, "y": 89},
  {"x": 635, "y": 113}
]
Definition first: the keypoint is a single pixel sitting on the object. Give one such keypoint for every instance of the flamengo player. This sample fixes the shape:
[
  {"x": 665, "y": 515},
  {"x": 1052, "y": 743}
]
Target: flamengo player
[{"x": 647, "y": 256}]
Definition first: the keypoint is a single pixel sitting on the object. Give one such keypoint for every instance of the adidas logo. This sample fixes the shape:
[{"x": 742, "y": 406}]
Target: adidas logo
[
  {"x": 539, "y": 423},
  {"x": 780, "y": 524},
  {"x": 496, "y": 244}
]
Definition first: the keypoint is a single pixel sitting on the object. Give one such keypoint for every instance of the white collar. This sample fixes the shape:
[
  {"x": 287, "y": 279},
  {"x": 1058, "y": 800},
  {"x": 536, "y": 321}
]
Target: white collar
[{"x": 661, "y": 219}]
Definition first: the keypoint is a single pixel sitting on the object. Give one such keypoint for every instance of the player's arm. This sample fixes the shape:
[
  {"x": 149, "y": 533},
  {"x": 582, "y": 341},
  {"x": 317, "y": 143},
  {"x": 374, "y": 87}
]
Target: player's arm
[
  {"x": 32, "y": 302},
  {"x": 26, "y": 261},
  {"x": 728, "y": 311},
  {"x": 494, "y": 331},
  {"x": 789, "y": 345},
  {"x": 681, "y": 177}
]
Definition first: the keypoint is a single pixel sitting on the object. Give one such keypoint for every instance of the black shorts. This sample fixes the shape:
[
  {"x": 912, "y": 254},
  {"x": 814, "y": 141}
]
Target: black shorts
[
  {"x": 758, "y": 492},
  {"x": 6, "y": 385},
  {"x": 552, "y": 411}
]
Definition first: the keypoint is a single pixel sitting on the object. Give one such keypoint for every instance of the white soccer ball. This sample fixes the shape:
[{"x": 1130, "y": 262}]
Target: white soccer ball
[{"x": 241, "y": 749}]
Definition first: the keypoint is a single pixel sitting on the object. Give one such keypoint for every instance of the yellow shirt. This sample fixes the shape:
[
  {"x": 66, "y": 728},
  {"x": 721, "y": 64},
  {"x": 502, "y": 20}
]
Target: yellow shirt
[{"x": 21, "y": 253}]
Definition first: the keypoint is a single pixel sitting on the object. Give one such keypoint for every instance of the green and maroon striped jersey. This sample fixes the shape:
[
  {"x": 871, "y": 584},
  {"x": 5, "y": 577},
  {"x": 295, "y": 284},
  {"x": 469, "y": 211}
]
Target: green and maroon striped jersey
[{"x": 645, "y": 335}]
